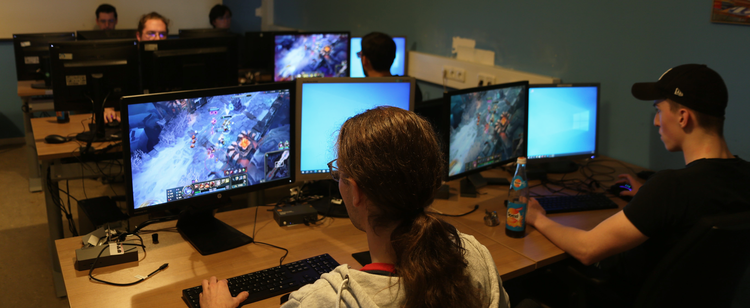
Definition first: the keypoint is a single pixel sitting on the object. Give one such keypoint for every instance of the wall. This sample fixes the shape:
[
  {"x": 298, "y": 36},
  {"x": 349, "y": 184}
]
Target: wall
[
  {"x": 616, "y": 43},
  {"x": 11, "y": 116},
  {"x": 243, "y": 15}
]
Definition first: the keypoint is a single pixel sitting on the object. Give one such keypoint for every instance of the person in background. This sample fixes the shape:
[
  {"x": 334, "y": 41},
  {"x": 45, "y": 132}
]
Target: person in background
[
  {"x": 377, "y": 55},
  {"x": 220, "y": 17},
  {"x": 151, "y": 27},
  {"x": 389, "y": 169},
  {"x": 106, "y": 17}
]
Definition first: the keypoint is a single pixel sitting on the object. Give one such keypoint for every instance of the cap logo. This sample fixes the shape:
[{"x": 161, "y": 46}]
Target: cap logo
[
  {"x": 677, "y": 92},
  {"x": 662, "y": 75}
]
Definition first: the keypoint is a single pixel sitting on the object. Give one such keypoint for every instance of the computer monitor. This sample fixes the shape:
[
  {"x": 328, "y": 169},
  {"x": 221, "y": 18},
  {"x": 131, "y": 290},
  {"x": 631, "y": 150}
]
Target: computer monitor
[
  {"x": 32, "y": 56},
  {"x": 563, "y": 122},
  {"x": 259, "y": 49},
  {"x": 106, "y": 34},
  {"x": 488, "y": 128},
  {"x": 305, "y": 55},
  {"x": 399, "y": 63},
  {"x": 191, "y": 150},
  {"x": 208, "y": 32},
  {"x": 92, "y": 75},
  {"x": 189, "y": 63}
]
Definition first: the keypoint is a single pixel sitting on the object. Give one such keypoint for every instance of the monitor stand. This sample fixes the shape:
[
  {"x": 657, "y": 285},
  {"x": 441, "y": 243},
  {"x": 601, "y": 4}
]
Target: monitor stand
[
  {"x": 560, "y": 166},
  {"x": 206, "y": 233},
  {"x": 472, "y": 182},
  {"x": 326, "y": 208}
]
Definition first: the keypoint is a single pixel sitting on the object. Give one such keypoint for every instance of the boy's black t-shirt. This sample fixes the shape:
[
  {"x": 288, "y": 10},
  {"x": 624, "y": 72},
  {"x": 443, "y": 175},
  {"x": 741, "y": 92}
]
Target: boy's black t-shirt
[{"x": 672, "y": 201}]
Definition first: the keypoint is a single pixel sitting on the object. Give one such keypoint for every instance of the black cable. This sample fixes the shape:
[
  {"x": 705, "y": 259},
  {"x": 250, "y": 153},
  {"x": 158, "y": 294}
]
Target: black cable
[
  {"x": 57, "y": 200},
  {"x": 152, "y": 221},
  {"x": 286, "y": 251},
  {"x": 476, "y": 206}
]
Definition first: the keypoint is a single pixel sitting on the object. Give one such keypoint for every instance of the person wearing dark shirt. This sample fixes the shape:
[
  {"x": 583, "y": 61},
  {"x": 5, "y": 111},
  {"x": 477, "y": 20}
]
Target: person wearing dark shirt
[
  {"x": 690, "y": 102},
  {"x": 377, "y": 55},
  {"x": 220, "y": 17},
  {"x": 106, "y": 17}
]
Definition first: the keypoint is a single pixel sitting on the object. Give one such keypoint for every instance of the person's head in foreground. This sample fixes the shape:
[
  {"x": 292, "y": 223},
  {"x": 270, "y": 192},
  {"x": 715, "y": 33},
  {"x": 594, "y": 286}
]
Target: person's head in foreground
[
  {"x": 390, "y": 167},
  {"x": 152, "y": 27}
]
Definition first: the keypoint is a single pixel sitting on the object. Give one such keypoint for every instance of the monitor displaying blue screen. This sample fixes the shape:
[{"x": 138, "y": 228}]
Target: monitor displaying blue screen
[
  {"x": 325, "y": 106},
  {"x": 399, "y": 63},
  {"x": 562, "y": 121}
]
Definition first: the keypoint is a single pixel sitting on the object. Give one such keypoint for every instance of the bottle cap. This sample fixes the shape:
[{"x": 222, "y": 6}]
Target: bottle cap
[{"x": 521, "y": 161}]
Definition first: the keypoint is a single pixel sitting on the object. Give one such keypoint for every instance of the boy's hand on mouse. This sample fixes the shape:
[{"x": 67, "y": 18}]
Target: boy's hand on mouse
[
  {"x": 111, "y": 115},
  {"x": 634, "y": 184}
]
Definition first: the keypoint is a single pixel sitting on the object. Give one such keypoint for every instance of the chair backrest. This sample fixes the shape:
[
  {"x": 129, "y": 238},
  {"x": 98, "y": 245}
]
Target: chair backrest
[{"x": 704, "y": 268}]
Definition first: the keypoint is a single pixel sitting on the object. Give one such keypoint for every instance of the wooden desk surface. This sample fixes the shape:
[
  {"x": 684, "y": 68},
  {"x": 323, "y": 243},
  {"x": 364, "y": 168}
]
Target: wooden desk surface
[
  {"x": 43, "y": 127},
  {"x": 187, "y": 268},
  {"x": 25, "y": 89},
  {"x": 534, "y": 245}
]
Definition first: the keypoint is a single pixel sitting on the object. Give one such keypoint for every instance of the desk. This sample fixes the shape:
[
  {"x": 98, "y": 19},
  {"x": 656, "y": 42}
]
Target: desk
[
  {"x": 26, "y": 92},
  {"x": 187, "y": 268},
  {"x": 49, "y": 155}
]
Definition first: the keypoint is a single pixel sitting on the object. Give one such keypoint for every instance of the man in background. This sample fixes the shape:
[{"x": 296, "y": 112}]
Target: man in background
[
  {"x": 377, "y": 55},
  {"x": 152, "y": 27},
  {"x": 220, "y": 17},
  {"x": 106, "y": 17}
]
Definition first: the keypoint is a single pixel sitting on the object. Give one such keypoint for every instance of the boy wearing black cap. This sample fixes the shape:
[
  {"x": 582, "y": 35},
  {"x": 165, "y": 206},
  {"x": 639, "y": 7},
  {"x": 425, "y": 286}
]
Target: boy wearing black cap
[{"x": 690, "y": 101}]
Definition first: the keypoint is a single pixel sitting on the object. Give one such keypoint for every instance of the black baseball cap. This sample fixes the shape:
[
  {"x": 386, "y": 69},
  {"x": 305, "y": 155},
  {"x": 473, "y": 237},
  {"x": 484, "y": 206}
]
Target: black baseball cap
[{"x": 692, "y": 85}]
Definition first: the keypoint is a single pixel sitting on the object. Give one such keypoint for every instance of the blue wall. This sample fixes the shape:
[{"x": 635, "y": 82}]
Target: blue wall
[
  {"x": 243, "y": 15},
  {"x": 11, "y": 116},
  {"x": 615, "y": 43}
]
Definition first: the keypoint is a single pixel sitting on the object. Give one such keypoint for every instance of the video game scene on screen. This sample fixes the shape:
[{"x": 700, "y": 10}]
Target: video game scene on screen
[
  {"x": 311, "y": 55},
  {"x": 485, "y": 127},
  {"x": 188, "y": 147}
]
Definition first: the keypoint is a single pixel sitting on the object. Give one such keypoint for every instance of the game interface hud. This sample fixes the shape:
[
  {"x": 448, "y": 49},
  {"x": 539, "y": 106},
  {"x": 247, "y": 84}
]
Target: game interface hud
[
  {"x": 311, "y": 55},
  {"x": 485, "y": 127},
  {"x": 188, "y": 147}
]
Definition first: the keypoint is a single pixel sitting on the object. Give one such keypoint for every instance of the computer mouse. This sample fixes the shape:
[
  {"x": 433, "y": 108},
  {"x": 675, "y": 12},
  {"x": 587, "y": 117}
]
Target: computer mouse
[
  {"x": 114, "y": 123},
  {"x": 55, "y": 139},
  {"x": 617, "y": 188}
]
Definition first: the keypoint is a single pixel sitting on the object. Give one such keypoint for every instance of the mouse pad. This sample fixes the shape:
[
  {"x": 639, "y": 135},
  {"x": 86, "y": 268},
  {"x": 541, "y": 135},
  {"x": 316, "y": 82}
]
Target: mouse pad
[{"x": 362, "y": 257}]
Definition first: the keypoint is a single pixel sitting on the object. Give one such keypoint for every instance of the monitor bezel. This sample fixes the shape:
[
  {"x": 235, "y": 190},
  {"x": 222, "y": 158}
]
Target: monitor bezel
[
  {"x": 446, "y": 121},
  {"x": 214, "y": 197},
  {"x": 348, "y": 49},
  {"x": 406, "y": 53},
  {"x": 597, "y": 128},
  {"x": 81, "y": 34},
  {"x": 203, "y": 32},
  {"x": 298, "y": 113}
]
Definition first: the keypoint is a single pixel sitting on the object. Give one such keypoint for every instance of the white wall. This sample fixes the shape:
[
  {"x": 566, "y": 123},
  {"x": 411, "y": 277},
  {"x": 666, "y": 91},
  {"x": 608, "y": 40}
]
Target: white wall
[{"x": 35, "y": 16}]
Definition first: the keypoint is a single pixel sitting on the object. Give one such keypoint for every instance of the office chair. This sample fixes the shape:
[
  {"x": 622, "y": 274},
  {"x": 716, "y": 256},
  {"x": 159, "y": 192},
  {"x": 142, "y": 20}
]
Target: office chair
[{"x": 704, "y": 268}]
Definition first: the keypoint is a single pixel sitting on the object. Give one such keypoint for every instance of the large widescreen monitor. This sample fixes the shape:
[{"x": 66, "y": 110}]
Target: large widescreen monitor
[
  {"x": 207, "y": 32},
  {"x": 323, "y": 104},
  {"x": 32, "y": 55},
  {"x": 92, "y": 75},
  {"x": 189, "y": 63},
  {"x": 488, "y": 128},
  {"x": 563, "y": 122},
  {"x": 190, "y": 150},
  {"x": 399, "y": 63},
  {"x": 305, "y": 55}
]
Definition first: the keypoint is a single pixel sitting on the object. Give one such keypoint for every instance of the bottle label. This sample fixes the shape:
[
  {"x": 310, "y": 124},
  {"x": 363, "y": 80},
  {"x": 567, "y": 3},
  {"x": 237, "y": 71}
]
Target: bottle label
[
  {"x": 515, "y": 220},
  {"x": 518, "y": 183}
]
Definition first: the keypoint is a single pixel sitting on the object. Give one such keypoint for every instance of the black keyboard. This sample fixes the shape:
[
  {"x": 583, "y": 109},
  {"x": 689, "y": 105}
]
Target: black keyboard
[
  {"x": 562, "y": 204},
  {"x": 272, "y": 281}
]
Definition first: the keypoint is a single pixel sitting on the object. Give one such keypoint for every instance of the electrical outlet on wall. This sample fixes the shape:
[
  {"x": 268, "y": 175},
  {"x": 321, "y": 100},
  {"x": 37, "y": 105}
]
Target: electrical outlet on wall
[
  {"x": 486, "y": 79},
  {"x": 454, "y": 73}
]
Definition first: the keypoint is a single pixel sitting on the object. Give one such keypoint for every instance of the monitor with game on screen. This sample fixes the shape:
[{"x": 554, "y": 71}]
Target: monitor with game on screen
[
  {"x": 563, "y": 122},
  {"x": 488, "y": 128},
  {"x": 307, "y": 55},
  {"x": 399, "y": 62},
  {"x": 118, "y": 34},
  {"x": 190, "y": 150}
]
